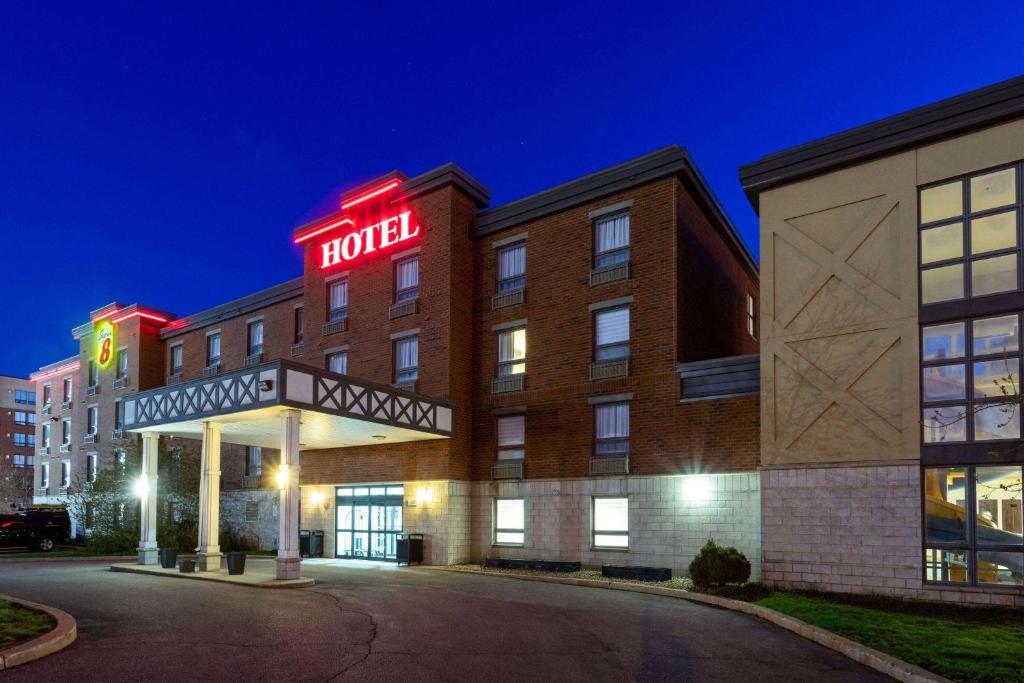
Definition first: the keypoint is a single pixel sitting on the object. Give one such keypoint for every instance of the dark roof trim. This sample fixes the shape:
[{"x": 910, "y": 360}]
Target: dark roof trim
[
  {"x": 667, "y": 161},
  {"x": 944, "y": 119},
  {"x": 232, "y": 309}
]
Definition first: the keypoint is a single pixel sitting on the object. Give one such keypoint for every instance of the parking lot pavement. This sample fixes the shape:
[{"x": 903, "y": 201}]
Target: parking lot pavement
[{"x": 369, "y": 622}]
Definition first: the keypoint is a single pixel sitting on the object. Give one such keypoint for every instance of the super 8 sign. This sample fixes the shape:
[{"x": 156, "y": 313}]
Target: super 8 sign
[{"x": 104, "y": 343}]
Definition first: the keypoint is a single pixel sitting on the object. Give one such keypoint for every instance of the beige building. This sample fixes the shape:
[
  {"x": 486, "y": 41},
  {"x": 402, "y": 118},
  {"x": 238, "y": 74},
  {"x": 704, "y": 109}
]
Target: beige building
[{"x": 890, "y": 340}]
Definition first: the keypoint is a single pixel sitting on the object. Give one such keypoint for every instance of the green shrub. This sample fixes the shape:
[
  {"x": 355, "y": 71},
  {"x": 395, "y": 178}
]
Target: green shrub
[
  {"x": 718, "y": 566},
  {"x": 232, "y": 540}
]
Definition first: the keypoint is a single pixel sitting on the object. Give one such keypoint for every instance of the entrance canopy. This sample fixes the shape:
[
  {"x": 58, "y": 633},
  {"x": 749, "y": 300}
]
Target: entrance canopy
[{"x": 336, "y": 410}]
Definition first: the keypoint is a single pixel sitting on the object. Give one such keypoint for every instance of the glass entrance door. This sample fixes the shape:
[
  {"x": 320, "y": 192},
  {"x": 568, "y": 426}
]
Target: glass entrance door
[{"x": 369, "y": 520}]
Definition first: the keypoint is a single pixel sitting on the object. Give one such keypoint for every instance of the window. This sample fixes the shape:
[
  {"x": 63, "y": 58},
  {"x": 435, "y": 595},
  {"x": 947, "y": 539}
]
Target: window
[
  {"x": 611, "y": 523},
  {"x": 177, "y": 358},
  {"x": 21, "y": 417},
  {"x": 511, "y": 437},
  {"x": 46, "y": 436},
  {"x": 407, "y": 359},
  {"x": 20, "y": 439},
  {"x": 65, "y": 473},
  {"x": 118, "y": 415},
  {"x": 65, "y": 431},
  {"x": 611, "y": 429},
  {"x": 122, "y": 363},
  {"x": 973, "y": 525},
  {"x": 611, "y": 240},
  {"x": 511, "y": 267},
  {"x": 92, "y": 415},
  {"x": 338, "y": 362},
  {"x": 611, "y": 333},
  {"x": 47, "y": 397},
  {"x": 509, "y": 521},
  {"x": 407, "y": 279},
  {"x": 94, "y": 373},
  {"x": 24, "y": 397},
  {"x": 90, "y": 467},
  {"x": 969, "y": 236},
  {"x": 22, "y": 461},
  {"x": 300, "y": 322},
  {"x": 31, "y": 439},
  {"x": 751, "y": 316},
  {"x": 67, "y": 390},
  {"x": 253, "y": 460},
  {"x": 213, "y": 349},
  {"x": 255, "y": 338},
  {"x": 512, "y": 352},
  {"x": 44, "y": 475},
  {"x": 970, "y": 376},
  {"x": 337, "y": 300}
]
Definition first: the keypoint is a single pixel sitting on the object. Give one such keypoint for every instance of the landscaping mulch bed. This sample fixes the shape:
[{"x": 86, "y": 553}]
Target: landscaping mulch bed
[
  {"x": 678, "y": 583},
  {"x": 18, "y": 623}
]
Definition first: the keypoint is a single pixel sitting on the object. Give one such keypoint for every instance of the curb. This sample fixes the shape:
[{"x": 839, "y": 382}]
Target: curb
[
  {"x": 13, "y": 559},
  {"x": 55, "y": 640},
  {"x": 862, "y": 654},
  {"x": 301, "y": 582}
]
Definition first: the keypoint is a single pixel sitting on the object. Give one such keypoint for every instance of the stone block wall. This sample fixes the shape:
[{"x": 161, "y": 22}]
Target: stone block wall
[{"x": 262, "y": 525}]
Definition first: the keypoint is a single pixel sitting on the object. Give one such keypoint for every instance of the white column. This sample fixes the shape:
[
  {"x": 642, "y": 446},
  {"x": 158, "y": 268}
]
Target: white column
[
  {"x": 288, "y": 561},
  {"x": 209, "y": 500},
  {"x": 147, "y": 513}
]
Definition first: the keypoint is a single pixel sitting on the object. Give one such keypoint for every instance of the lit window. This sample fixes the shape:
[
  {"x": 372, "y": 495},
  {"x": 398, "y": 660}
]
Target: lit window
[
  {"x": 24, "y": 397},
  {"x": 337, "y": 300},
  {"x": 177, "y": 358},
  {"x": 511, "y": 267},
  {"x": 407, "y": 359},
  {"x": 611, "y": 522},
  {"x": 213, "y": 349},
  {"x": 751, "y": 316},
  {"x": 20, "y": 417},
  {"x": 255, "y": 338},
  {"x": 611, "y": 240},
  {"x": 338, "y": 362},
  {"x": 512, "y": 352},
  {"x": 509, "y": 521},
  {"x": 611, "y": 429},
  {"x": 407, "y": 279},
  {"x": 611, "y": 333},
  {"x": 511, "y": 437}
]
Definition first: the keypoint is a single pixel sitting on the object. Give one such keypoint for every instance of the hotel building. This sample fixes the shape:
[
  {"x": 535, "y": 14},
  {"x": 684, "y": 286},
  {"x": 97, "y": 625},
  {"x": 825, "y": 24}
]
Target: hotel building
[
  {"x": 17, "y": 441},
  {"x": 891, "y": 449},
  {"x": 569, "y": 376}
]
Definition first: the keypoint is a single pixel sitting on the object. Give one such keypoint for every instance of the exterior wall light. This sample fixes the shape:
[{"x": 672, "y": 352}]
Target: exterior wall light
[
  {"x": 282, "y": 476},
  {"x": 696, "y": 488},
  {"x": 141, "y": 487},
  {"x": 424, "y": 496}
]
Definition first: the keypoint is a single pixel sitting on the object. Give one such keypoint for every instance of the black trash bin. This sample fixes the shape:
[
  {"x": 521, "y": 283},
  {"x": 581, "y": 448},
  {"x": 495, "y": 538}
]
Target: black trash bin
[
  {"x": 304, "y": 543},
  {"x": 168, "y": 557},
  {"x": 409, "y": 548},
  {"x": 236, "y": 563},
  {"x": 316, "y": 543},
  {"x": 187, "y": 566}
]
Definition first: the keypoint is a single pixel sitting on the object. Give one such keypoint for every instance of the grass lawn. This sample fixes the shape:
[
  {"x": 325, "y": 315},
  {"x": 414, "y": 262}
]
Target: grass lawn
[
  {"x": 18, "y": 623},
  {"x": 961, "y": 643}
]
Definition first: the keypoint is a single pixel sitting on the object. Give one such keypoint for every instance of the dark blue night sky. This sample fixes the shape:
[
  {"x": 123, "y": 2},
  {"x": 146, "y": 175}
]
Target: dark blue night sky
[{"x": 161, "y": 155}]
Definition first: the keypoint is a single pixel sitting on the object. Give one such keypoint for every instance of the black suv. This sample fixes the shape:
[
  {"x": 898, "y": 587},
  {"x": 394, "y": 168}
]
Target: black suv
[{"x": 38, "y": 528}]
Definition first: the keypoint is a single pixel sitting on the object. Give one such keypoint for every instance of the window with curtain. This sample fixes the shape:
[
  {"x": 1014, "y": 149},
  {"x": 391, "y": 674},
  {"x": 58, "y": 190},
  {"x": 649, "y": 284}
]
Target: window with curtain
[
  {"x": 46, "y": 436},
  {"x": 511, "y": 267},
  {"x": 65, "y": 432},
  {"x": 65, "y": 473},
  {"x": 407, "y": 359},
  {"x": 94, "y": 373},
  {"x": 253, "y": 460},
  {"x": 611, "y": 333},
  {"x": 338, "y": 362},
  {"x": 509, "y": 521},
  {"x": 213, "y": 349},
  {"x": 255, "y": 338},
  {"x": 611, "y": 429},
  {"x": 67, "y": 389},
  {"x": 611, "y": 240},
  {"x": 90, "y": 467},
  {"x": 92, "y": 415},
  {"x": 610, "y": 522},
  {"x": 177, "y": 359},
  {"x": 300, "y": 321},
  {"x": 512, "y": 352},
  {"x": 337, "y": 300},
  {"x": 44, "y": 475},
  {"x": 511, "y": 437},
  {"x": 407, "y": 279},
  {"x": 122, "y": 363},
  {"x": 47, "y": 394}
]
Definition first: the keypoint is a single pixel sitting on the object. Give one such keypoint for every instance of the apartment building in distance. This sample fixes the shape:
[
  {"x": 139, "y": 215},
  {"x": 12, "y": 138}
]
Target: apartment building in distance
[
  {"x": 569, "y": 376},
  {"x": 17, "y": 441},
  {"x": 890, "y": 354}
]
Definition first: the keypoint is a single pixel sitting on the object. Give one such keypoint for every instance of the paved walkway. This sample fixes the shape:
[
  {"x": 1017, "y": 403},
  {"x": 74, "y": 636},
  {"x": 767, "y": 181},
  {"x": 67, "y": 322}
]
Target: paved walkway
[{"x": 375, "y": 622}]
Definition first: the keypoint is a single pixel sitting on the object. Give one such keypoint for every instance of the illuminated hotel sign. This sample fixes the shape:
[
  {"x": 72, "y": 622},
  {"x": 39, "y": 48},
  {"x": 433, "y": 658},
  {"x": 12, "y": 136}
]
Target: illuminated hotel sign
[
  {"x": 104, "y": 343},
  {"x": 357, "y": 242}
]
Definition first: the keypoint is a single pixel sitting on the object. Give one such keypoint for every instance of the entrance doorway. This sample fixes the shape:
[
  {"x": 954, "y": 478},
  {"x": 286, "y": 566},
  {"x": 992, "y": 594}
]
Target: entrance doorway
[{"x": 369, "y": 519}]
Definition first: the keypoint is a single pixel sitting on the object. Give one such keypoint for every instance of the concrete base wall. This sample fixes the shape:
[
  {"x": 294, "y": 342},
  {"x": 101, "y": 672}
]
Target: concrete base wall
[
  {"x": 853, "y": 530},
  {"x": 670, "y": 518}
]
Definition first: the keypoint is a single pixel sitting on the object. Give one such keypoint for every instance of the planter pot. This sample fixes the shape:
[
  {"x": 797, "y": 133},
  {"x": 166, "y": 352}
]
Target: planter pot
[
  {"x": 187, "y": 566},
  {"x": 168, "y": 557},
  {"x": 236, "y": 563}
]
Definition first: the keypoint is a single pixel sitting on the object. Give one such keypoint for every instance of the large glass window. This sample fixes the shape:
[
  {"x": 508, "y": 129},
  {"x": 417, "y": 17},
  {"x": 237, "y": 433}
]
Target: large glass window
[
  {"x": 974, "y": 533},
  {"x": 509, "y": 521},
  {"x": 970, "y": 236},
  {"x": 407, "y": 279},
  {"x": 611, "y": 333},
  {"x": 512, "y": 352},
  {"x": 511, "y": 267},
  {"x": 611, "y": 240},
  {"x": 611, "y": 429},
  {"x": 970, "y": 380},
  {"x": 407, "y": 359},
  {"x": 337, "y": 300},
  {"x": 511, "y": 437},
  {"x": 610, "y": 522},
  {"x": 255, "y": 338}
]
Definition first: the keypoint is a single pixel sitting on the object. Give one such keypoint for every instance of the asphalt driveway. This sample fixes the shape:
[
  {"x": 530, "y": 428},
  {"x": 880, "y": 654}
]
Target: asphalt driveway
[{"x": 382, "y": 623}]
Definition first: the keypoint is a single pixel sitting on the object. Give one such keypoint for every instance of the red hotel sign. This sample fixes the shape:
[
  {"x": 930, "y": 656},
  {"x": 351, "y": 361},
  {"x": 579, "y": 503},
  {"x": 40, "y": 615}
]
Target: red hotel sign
[{"x": 363, "y": 241}]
